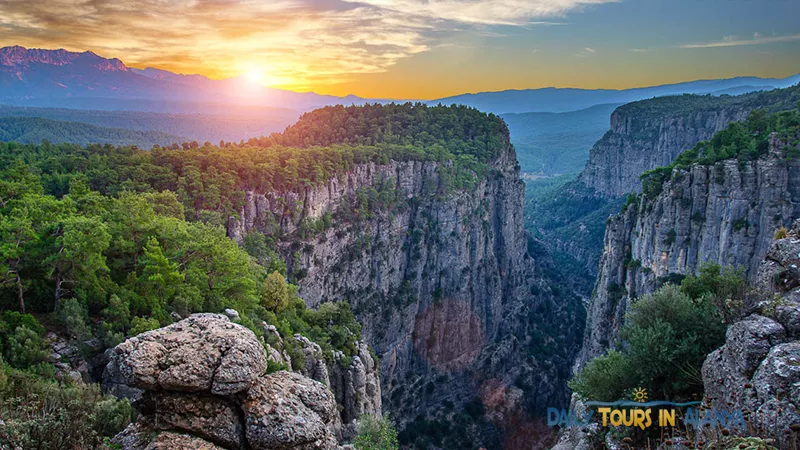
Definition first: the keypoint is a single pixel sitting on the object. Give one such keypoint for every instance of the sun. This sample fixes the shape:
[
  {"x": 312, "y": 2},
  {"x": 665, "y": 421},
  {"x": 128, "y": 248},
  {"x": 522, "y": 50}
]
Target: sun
[{"x": 255, "y": 76}]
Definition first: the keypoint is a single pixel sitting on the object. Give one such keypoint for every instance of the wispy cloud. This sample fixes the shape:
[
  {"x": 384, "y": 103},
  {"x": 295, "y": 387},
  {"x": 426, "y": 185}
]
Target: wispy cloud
[
  {"x": 489, "y": 12},
  {"x": 731, "y": 41},
  {"x": 590, "y": 50}
]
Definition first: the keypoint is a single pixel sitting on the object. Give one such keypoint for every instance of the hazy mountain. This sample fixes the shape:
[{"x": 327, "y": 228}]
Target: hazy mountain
[
  {"x": 60, "y": 78},
  {"x": 569, "y": 99},
  {"x": 557, "y": 143},
  {"x": 227, "y": 125}
]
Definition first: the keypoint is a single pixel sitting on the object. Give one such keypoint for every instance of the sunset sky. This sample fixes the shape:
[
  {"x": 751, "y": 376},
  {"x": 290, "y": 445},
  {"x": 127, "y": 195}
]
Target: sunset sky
[{"x": 424, "y": 49}]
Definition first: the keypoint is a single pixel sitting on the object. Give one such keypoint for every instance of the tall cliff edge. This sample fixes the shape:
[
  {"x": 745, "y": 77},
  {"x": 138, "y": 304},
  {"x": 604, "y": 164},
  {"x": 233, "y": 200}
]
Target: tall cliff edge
[
  {"x": 652, "y": 133},
  {"x": 450, "y": 298},
  {"x": 725, "y": 213}
]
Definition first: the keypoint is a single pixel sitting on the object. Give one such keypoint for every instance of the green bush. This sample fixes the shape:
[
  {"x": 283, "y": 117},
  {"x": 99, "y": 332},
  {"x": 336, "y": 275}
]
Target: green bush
[
  {"x": 73, "y": 317},
  {"x": 375, "y": 434},
  {"x": 22, "y": 342},
  {"x": 140, "y": 325},
  {"x": 41, "y": 414},
  {"x": 604, "y": 378},
  {"x": 668, "y": 335}
]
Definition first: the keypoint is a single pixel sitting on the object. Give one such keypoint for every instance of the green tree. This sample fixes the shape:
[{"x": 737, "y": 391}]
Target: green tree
[
  {"x": 16, "y": 236},
  {"x": 276, "y": 293},
  {"x": 375, "y": 434},
  {"x": 74, "y": 317},
  {"x": 160, "y": 278},
  {"x": 77, "y": 256}
]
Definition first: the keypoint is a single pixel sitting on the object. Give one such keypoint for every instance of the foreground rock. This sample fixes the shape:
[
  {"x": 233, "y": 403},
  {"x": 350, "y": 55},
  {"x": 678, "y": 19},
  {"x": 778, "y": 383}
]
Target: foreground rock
[
  {"x": 205, "y": 386},
  {"x": 757, "y": 371}
]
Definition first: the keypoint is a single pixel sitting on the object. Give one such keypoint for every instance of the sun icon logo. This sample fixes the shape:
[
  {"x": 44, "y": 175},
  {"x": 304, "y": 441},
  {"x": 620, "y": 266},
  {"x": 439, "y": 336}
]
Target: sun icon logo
[{"x": 640, "y": 395}]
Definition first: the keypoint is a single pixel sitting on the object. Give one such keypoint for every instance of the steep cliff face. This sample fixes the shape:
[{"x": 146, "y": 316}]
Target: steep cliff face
[
  {"x": 724, "y": 213},
  {"x": 636, "y": 144},
  {"x": 442, "y": 280},
  {"x": 652, "y": 133}
]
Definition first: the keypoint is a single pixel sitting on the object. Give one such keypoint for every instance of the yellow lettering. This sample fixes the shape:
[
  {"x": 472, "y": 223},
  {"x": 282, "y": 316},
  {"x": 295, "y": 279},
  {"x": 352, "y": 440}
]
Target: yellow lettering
[
  {"x": 648, "y": 421},
  {"x": 627, "y": 417},
  {"x": 618, "y": 420},
  {"x": 638, "y": 418},
  {"x": 667, "y": 418},
  {"x": 604, "y": 412}
]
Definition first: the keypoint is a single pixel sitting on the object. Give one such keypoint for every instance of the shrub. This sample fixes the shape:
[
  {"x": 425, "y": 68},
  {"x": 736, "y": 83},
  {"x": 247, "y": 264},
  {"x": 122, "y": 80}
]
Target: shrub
[
  {"x": 73, "y": 317},
  {"x": 43, "y": 414},
  {"x": 140, "y": 325},
  {"x": 604, "y": 378},
  {"x": 375, "y": 434},
  {"x": 668, "y": 335},
  {"x": 21, "y": 342},
  {"x": 781, "y": 233}
]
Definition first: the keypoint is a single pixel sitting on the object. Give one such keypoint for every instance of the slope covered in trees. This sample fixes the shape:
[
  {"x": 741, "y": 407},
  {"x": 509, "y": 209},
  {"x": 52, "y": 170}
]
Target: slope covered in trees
[
  {"x": 222, "y": 123},
  {"x": 33, "y": 130}
]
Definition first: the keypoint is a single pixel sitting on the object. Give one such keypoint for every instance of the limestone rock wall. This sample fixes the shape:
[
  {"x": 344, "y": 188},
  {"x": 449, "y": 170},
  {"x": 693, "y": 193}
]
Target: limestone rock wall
[{"x": 724, "y": 213}]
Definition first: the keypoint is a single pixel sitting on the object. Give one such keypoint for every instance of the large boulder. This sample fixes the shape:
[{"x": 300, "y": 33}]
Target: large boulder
[
  {"x": 204, "y": 385},
  {"x": 205, "y": 352},
  {"x": 207, "y": 416},
  {"x": 287, "y": 410}
]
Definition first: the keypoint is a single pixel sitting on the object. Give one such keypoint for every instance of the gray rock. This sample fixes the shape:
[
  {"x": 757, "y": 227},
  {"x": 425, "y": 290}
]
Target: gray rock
[
  {"x": 357, "y": 388},
  {"x": 637, "y": 143},
  {"x": 287, "y": 410},
  {"x": 578, "y": 438},
  {"x": 140, "y": 436},
  {"x": 205, "y": 352},
  {"x": 209, "y": 417},
  {"x": 232, "y": 314},
  {"x": 725, "y": 213},
  {"x": 204, "y": 387},
  {"x": 314, "y": 365}
]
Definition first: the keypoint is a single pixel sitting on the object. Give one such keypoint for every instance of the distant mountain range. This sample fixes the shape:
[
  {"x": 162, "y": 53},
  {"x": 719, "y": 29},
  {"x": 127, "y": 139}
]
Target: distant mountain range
[
  {"x": 59, "y": 78},
  {"x": 568, "y": 99}
]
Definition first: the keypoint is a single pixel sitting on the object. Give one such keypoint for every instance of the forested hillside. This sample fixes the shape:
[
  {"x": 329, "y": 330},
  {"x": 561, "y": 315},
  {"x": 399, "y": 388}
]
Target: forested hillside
[
  {"x": 33, "y": 130},
  {"x": 107, "y": 242}
]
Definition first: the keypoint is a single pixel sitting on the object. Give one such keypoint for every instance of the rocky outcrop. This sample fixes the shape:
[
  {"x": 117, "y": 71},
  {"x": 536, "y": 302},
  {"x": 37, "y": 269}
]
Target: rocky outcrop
[
  {"x": 204, "y": 386},
  {"x": 724, "y": 213},
  {"x": 440, "y": 278},
  {"x": 757, "y": 371},
  {"x": 638, "y": 142},
  {"x": 357, "y": 387}
]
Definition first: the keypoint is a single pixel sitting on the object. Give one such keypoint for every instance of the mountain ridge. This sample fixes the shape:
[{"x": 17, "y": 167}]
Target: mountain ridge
[{"x": 59, "y": 78}]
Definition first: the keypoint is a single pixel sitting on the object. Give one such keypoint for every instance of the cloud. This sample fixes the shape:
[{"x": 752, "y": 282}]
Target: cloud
[
  {"x": 590, "y": 50},
  {"x": 731, "y": 41},
  {"x": 297, "y": 43},
  {"x": 488, "y": 12}
]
